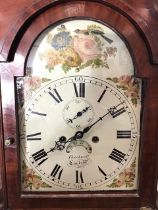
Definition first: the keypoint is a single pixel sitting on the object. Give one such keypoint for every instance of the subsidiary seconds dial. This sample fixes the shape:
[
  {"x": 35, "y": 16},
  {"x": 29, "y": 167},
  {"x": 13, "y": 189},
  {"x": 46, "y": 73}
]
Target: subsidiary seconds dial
[
  {"x": 78, "y": 113},
  {"x": 59, "y": 126}
]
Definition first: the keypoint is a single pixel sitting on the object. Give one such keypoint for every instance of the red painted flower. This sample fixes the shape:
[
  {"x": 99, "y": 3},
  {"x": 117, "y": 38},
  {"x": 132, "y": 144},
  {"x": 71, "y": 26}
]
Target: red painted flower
[{"x": 86, "y": 47}]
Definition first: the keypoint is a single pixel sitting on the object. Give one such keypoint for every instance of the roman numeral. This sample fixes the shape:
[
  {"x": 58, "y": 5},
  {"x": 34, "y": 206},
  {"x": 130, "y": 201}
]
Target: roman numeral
[
  {"x": 101, "y": 96},
  {"x": 79, "y": 177},
  {"x": 55, "y": 95},
  {"x": 101, "y": 170},
  {"x": 79, "y": 91},
  {"x": 39, "y": 113},
  {"x": 34, "y": 136},
  {"x": 123, "y": 134},
  {"x": 116, "y": 112},
  {"x": 57, "y": 171},
  {"x": 40, "y": 156},
  {"x": 117, "y": 155}
]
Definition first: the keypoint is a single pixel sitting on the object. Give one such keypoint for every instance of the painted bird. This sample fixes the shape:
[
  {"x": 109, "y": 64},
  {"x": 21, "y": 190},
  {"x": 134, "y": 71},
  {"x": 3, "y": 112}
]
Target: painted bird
[{"x": 96, "y": 32}]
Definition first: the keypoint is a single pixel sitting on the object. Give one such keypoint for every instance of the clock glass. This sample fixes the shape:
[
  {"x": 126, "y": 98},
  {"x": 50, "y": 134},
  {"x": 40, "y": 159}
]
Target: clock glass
[{"x": 79, "y": 111}]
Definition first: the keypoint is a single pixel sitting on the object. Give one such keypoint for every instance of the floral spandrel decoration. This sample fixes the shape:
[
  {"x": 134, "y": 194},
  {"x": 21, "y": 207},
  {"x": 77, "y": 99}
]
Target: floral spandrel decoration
[
  {"x": 130, "y": 85},
  {"x": 125, "y": 178},
  {"x": 27, "y": 85},
  {"x": 30, "y": 180},
  {"x": 78, "y": 49}
]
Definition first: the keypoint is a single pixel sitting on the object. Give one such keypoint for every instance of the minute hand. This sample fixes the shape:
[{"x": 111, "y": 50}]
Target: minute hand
[{"x": 85, "y": 130}]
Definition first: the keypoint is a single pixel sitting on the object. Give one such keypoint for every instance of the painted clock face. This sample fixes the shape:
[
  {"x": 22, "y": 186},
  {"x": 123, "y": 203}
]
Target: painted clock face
[{"x": 79, "y": 111}]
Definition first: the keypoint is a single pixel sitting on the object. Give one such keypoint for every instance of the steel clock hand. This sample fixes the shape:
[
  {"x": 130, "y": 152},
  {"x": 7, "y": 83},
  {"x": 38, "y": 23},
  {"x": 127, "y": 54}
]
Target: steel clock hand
[
  {"x": 80, "y": 134},
  {"x": 60, "y": 145},
  {"x": 79, "y": 114}
]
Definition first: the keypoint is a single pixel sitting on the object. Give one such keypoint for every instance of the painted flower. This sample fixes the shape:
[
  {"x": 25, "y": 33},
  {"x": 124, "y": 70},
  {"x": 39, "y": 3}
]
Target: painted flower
[
  {"x": 35, "y": 82},
  {"x": 28, "y": 173},
  {"x": 131, "y": 85},
  {"x": 111, "y": 51},
  {"x": 122, "y": 175},
  {"x": 31, "y": 84},
  {"x": 126, "y": 177},
  {"x": 36, "y": 182},
  {"x": 71, "y": 58},
  {"x": 129, "y": 174},
  {"x": 119, "y": 182},
  {"x": 79, "y": 51},
  {"x": 61, "y": 40},
  {"x": 124, "y": 80},
  {"x": 86, "y": 47},
  {"x": 52, "y": 58},
  {"x": 31, "y": 180},
  {"x": 133, "y": 89}
]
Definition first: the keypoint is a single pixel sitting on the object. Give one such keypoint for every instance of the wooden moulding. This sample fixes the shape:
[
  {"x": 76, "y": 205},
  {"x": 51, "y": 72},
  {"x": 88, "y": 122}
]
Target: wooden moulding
[
  {"x": 3, "y": 196},
  {"x": 30, "y": 10},
  {"x": 140, "y": 41}
]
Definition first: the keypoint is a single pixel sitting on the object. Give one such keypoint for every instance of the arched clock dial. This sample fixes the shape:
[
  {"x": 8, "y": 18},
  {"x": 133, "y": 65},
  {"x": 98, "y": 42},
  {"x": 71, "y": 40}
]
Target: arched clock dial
[
  {"x": 80, "y": 111},
  {"x": 59, "y": 128}
]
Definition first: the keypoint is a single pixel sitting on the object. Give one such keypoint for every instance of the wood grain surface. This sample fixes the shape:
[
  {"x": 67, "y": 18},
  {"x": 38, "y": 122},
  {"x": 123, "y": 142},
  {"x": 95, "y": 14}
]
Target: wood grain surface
[
  {"x": 21, "y": 22},
  {"x": 142, "y": 13}
]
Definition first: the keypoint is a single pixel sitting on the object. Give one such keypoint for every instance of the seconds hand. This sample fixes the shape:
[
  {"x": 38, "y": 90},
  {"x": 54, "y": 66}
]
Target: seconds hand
[{"x": 79, "y": 114}]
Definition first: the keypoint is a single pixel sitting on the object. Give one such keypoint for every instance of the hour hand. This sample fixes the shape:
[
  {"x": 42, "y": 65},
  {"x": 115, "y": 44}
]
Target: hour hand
[
  {"x": 61, "y": 143},
  {"x": 59, "y": 146}
]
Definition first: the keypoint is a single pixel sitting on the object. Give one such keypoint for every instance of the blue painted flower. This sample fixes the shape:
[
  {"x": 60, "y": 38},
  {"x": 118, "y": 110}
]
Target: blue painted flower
[{"x": 61, "y": 40}]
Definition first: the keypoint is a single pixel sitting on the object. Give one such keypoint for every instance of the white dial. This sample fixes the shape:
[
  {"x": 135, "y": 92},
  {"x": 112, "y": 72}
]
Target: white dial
[
  {"x": 79, "y": 132},
  {"x": 78, "y": 113}
]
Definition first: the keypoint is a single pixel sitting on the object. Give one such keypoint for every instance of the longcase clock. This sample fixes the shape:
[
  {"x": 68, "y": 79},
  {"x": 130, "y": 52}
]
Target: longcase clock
[{"x": 79, "y": 108}]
